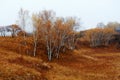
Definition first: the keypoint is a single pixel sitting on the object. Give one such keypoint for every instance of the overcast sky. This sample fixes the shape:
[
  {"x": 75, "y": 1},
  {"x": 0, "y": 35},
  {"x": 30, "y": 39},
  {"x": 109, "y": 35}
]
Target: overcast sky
[{"x": 90, "y": 12}]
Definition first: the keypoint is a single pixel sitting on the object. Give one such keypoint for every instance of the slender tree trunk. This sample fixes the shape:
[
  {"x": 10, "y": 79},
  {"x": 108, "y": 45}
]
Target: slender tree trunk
[
  {"x": 57, "y": 54},
  {"x": 58, "y": 47},
  {"x": 35, "y": 47},
  {"x": 50, "y": 56}
]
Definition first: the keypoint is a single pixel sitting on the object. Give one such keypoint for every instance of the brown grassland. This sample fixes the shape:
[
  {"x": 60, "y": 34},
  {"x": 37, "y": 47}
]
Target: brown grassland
[{"x": 84, "y": 63}]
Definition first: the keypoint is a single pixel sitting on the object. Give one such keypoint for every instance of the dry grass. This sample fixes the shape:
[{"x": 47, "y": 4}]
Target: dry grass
[
  {"x": 82, "y": 64},
  {"x": 10, "y": 70}
]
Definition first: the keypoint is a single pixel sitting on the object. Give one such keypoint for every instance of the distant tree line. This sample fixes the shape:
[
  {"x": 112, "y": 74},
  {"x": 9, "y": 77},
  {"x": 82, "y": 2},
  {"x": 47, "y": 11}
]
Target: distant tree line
[{"x": 102, "y": 35}]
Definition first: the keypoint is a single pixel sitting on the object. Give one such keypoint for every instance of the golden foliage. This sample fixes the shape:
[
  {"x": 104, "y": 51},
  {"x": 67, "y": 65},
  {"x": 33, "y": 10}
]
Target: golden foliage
[{"x": 97, "y": 35}]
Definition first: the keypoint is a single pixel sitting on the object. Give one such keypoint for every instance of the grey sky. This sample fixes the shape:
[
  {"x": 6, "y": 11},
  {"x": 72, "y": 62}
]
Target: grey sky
[{"x": 91, "y": 12}]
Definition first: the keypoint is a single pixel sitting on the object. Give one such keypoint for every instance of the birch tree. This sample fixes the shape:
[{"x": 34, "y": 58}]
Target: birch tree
[
  {"x": 44, "y": 27},
  {"x": 65, "y": 32},
  {"x": 48, "y": 31},
  {"x": 72, "y": 25},
  {"x": 23, "y": 22},
  {"x": 36, "y": 25}
]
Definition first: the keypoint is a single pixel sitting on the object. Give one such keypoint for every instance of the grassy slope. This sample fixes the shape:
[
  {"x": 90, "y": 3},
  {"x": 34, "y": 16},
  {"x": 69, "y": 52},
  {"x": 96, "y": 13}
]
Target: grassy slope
[{"x": 83, "y": 64}]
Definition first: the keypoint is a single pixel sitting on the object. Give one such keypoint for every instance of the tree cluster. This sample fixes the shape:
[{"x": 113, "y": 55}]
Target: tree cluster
[
  {"x": 57, "y": 34},
  {"x": 102, "y": 34},
  {"x": 12, "y": 29}
]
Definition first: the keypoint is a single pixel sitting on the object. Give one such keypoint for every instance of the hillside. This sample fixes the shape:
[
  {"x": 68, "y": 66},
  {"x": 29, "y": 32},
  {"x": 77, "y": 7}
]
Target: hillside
[{"x": 82, "y": 64}]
